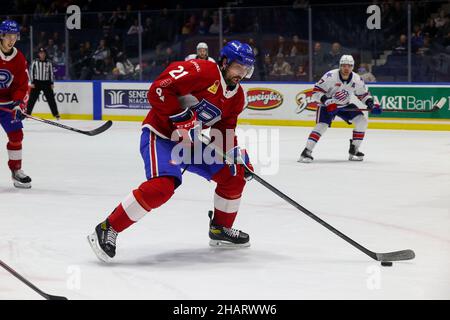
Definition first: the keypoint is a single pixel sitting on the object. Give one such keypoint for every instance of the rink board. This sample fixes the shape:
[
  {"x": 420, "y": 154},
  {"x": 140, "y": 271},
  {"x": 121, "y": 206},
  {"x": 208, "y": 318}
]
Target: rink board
[{"x": 286, "y": 104}]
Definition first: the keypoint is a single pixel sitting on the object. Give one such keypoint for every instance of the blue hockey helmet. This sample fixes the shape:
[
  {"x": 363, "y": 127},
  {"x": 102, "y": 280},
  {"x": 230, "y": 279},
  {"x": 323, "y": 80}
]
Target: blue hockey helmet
[
  {"x": 10, "y": 27},
  {"x": 242, "y": 53}
]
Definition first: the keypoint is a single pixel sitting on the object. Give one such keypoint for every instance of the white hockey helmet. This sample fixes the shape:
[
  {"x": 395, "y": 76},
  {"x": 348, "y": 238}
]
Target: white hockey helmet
[
  {"x": 202, "y": 45},
  {"x": 347, "y": 59}
]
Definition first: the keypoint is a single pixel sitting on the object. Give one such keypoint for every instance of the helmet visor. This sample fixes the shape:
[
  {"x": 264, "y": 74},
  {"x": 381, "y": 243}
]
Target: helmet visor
[
  {"x": 241, "y": 70},
  {"x": 10, "y": 36}
]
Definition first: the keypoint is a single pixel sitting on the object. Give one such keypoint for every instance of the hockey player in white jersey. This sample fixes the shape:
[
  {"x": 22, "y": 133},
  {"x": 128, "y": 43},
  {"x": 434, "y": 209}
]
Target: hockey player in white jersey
[
  {"x": 333, "y": 92},
  {"x": 202, "y": 53}
]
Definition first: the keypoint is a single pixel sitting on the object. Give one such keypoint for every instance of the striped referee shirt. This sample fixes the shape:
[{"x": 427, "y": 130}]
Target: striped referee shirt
[{"x": 41, "y": 71}]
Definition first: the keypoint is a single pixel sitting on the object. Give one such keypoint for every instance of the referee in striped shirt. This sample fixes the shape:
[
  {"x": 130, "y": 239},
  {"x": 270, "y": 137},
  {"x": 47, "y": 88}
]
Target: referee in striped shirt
[{"x": 41, "y": 74}]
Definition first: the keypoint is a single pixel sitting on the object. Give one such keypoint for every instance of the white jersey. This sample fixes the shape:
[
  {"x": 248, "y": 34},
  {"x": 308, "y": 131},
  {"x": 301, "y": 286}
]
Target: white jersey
[
  {"x": 194, "y": 56},
  {"x": 333, "y": 86}
]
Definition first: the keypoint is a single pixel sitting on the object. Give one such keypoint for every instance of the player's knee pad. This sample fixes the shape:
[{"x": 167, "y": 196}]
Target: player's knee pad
[
  {"x": 15, "y": 138},
  {"x": 230, "y": 186},
  {"x": 155, "y": 192},
  {"x": 360, "y": 123}
]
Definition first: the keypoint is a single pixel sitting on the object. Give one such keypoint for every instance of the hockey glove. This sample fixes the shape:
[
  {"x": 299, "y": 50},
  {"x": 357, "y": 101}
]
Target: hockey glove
[
  {"x": 187, "y": 126},
  {"x": 17, "y": 110},
  {"x": 239, "y": 157},
  {"x": 332, "y": 106},
  {"x": 374, "y": 108}
]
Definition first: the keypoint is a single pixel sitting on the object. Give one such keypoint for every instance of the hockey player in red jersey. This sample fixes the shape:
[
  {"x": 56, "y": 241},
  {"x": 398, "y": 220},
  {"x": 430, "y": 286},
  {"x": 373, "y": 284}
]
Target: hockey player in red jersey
[
  {"x": 14, "y": 96},
  {"x": 187, "y": 97}
]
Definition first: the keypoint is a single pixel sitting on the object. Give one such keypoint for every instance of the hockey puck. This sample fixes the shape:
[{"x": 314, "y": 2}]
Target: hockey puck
[{"x": 386, "y": 263}]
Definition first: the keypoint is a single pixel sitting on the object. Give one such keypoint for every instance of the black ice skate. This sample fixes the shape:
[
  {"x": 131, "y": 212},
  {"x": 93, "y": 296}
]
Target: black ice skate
[
  {"x": 354, "y": 154},
  {"x": 103, "y": 241},
  {"x": 226, "y": 237},
  {"x": 20, "y": 179},
  {"x": 306, "y": 156}
]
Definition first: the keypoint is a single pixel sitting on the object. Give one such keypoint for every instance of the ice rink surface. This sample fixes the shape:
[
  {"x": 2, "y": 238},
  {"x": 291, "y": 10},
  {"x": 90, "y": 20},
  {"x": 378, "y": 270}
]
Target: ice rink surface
[{"x": 398, "y": 198}]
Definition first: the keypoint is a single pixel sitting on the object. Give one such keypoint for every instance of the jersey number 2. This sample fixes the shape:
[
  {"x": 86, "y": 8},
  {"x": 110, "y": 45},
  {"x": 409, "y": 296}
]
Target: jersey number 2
[{"x": 178, "y": 73}]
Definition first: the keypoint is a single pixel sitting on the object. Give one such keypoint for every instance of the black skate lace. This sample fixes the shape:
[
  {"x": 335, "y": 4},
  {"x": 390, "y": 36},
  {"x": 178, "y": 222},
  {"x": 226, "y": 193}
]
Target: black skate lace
[
  {"x": 231, "y": 232},
  {"x": 111, "y": 236}
]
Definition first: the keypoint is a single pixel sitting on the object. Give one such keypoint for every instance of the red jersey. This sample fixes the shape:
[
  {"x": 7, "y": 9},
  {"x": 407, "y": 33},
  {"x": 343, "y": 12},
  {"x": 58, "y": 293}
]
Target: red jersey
[
  {"x": 13, "y": 77},
  {"x": 195, "y": 84}
]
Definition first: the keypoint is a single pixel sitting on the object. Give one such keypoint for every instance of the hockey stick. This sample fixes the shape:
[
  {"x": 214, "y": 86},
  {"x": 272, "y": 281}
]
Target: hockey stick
[
  {"x": 93, "y": 132},
  {"x": 29, "y": 284},
  {"x": 438, "y": 106},
  {"x": 383, "y": 257}
]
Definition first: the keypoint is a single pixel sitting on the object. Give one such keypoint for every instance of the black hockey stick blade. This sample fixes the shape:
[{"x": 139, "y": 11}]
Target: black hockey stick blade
[
  {"x": 50, "y": 297},
  {"x": 100, "y": 129},
  {"x": 396, "y": 256},
  {"x": 29, "y": 284}
]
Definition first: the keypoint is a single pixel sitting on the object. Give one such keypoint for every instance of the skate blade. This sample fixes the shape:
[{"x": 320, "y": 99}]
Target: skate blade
[
  {"x": 101, "y": 255},
  {"x": 355, "y": 158},
  {"x": 227, "y": 244},
  {"x": 304, "y": 160},
  {"x": 21, "y": 185}
]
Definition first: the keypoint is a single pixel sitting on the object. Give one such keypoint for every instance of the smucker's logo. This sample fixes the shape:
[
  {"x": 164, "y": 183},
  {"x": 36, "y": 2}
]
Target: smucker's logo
[
  {"x": 305, "y": 100},
  {"x": 263, "y": 99}
]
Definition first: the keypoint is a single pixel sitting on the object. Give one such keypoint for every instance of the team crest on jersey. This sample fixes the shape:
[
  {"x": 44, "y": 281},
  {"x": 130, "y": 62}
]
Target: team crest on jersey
[
  {"x": 214, "y": 87},
  {"x": 207, "y": 112},
  {"x": 6, "y": 78}
]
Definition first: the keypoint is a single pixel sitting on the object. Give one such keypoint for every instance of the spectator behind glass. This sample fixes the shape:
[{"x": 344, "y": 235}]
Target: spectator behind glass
[
  {"x": 102, "y": 51},
  {"x": 135, "y": 28},
  {"x": 231, "y": 25},
  {"x": 281, "y": 67},
  {"x": 251, "y": 42},
  {"x": 125, "y": 68},
  {"x": 301, "y": 74},
  {"x": 402, "y": 46},
  {"x": 334, "y": 56},
  {"x": 51, "y": 49},
  {"x": 190, "y": 26},
  {"x": 430, "y": 28},
  {"x": 296, "y": 48},
  {"x": 365, "y": 73},
  {"x": 416, "y": 39},
  {"x": 214, "y": 28},
  {"x": 441, "y": 19},
  {"x": 266, "y": 67},
  {"x": 425, "y": 50},
  {"x": 202, "y": 27},
  {"x": 280, "y": 47},
  {"x": 206, "y": 17},
  {"x": 318, "y": 61},
  {"x": 170, "y": 56}
]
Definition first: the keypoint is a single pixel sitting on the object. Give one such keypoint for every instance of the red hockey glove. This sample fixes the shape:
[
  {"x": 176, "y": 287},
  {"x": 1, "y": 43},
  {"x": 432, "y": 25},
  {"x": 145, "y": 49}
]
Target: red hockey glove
[
  {"x": 18, "y": 108},
  {"x": 187, "y": 126},
  {"x": 331, "y": 106}
]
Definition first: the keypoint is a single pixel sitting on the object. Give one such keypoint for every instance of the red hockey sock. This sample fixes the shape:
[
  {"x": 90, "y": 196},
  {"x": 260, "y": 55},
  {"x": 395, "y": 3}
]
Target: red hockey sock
[
  {"x": 14, "y": 147},
  {"x": 150, "y": 195},
  {"x": 227, "y": 197}
]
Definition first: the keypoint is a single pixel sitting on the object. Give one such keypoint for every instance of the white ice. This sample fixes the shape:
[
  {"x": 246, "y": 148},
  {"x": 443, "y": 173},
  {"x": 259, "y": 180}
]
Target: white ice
[{"x": 397, "y": 198}]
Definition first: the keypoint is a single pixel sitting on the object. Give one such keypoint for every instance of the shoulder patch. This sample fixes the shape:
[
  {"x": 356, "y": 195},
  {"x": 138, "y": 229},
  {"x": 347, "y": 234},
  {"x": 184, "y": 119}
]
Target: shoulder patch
[{"x": 214, "y": 87}]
